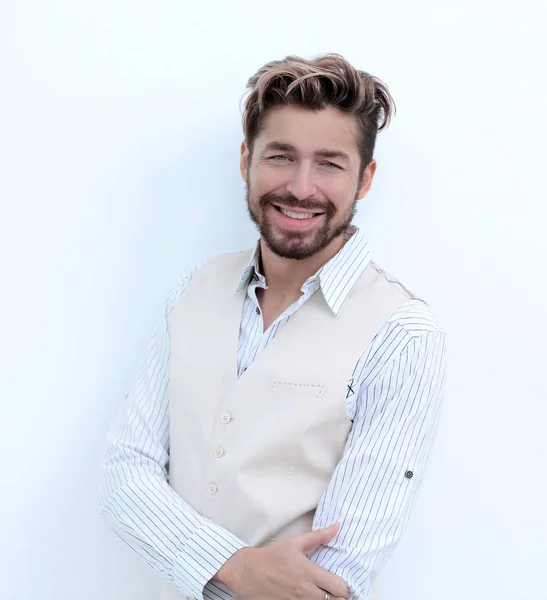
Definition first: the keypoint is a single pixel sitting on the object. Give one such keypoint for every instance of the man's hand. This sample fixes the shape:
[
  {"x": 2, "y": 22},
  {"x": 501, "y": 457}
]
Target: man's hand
[{"x": 283, "y": 571}]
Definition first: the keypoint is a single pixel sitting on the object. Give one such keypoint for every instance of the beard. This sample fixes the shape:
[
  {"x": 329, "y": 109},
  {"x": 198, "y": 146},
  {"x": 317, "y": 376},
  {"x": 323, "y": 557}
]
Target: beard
[{"x": 298, "y": 245}]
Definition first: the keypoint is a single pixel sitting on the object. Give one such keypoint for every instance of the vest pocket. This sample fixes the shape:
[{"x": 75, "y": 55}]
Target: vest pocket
[{"x": 299, "y": 388}]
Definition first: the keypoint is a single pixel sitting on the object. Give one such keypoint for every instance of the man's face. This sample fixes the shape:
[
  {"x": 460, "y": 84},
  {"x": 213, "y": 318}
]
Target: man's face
[{"x": 302, "y": 179}]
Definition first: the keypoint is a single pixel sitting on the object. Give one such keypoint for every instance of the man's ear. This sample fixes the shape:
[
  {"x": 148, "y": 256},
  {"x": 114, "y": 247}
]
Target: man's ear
[
  {"x": 244, "y": 160},
  {"x": 366, "y": 182}
]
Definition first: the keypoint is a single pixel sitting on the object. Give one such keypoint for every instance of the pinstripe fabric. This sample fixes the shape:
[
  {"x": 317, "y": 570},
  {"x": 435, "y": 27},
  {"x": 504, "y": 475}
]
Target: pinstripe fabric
[{"x": 393, "y": 402}]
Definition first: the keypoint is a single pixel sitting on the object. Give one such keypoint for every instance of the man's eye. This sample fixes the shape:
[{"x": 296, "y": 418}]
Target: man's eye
[{"x": 283, "y": 157}]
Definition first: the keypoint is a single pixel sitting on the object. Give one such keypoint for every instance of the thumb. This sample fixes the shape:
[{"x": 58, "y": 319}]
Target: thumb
[{"x": 310, "y": 541}]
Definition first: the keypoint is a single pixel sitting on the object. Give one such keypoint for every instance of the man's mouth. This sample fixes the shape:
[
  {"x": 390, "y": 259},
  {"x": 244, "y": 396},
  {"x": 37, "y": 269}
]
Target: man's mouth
[{"x": 296, "y": 215}]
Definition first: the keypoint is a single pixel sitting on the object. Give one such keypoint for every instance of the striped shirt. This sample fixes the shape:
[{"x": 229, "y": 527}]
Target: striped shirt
[{"x": 393, "y": 402}]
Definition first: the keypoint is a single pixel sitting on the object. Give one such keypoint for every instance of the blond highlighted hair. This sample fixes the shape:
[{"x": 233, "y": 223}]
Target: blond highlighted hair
[{"x": 327, "y": 80}]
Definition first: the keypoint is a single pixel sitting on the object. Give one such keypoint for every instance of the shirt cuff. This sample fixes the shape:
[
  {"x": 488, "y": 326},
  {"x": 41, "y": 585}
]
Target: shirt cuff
[{"x": 206, "y": 551}]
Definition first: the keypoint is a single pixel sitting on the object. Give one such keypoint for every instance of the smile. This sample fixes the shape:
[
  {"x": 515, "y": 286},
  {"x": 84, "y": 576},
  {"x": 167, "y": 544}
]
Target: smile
[{"x": 297, "y": 215}]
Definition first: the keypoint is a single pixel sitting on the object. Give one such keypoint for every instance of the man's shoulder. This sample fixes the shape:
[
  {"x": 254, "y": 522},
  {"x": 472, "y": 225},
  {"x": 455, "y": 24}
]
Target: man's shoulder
[
  {"x": 225, "y": 259},
  {"x": 416, "y": 318},
  {"x": 219, "y": 263},
  {"x": 414, "y": 314}
]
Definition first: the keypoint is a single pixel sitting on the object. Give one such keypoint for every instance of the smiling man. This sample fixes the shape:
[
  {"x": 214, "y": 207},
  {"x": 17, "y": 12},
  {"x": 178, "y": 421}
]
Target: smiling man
[{"x": 280, "y": 424}]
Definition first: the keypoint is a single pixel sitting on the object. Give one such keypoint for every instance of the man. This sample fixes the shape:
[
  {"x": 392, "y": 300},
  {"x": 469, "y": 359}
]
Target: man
[{"x": 280, "y": 424}]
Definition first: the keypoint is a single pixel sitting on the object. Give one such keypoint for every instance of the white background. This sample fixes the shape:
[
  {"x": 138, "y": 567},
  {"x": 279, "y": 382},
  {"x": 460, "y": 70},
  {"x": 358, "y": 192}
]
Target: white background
[{"x": 119, "y": 145}]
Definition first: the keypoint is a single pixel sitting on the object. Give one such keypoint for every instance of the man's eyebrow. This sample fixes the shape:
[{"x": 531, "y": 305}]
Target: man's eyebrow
[
  {"x": 332, "y": 154},
  {"x": 284, "y": 147},
  {"x": 281, "y": 146}
]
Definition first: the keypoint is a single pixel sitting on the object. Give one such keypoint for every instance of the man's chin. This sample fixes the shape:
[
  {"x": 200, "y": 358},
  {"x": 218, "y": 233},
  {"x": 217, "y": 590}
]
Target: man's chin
[{"x": 296, "y": 249}]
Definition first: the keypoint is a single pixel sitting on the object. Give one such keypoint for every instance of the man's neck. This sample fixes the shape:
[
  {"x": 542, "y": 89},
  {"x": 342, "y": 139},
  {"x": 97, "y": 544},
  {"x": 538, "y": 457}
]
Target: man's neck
[{"x": 285, "y": 276}]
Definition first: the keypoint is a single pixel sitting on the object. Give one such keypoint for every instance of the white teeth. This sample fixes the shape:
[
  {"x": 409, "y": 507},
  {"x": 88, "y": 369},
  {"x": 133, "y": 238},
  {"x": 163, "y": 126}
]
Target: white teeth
[{"x": 294, "y": 215}]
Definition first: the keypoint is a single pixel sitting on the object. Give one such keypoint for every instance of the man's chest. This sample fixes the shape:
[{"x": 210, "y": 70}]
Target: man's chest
[{"x": 254, "y": 338}]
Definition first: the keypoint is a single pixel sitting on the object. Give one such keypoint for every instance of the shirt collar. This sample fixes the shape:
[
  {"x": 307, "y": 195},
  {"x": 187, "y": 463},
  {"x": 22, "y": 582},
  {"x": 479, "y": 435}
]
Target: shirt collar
[
  {"x": 337, "y": 277},
  {"x": 252, "y": 268}
]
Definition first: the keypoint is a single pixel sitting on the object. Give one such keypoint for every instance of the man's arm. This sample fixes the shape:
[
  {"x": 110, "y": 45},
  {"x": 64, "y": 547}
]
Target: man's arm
[
  {"x": 136, "y": 499},
  {"x": 374, "y": 486}
]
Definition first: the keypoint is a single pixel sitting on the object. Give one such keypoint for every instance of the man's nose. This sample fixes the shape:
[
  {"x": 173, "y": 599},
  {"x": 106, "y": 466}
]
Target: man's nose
[{"x": 302, "y": 182}]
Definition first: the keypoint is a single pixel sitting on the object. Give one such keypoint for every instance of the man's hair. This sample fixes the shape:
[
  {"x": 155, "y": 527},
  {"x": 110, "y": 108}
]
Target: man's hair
[{"x": 327, "y": 80}]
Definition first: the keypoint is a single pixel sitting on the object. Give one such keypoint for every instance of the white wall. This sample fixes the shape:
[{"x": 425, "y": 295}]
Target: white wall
[{"x": 119, "y": 139}]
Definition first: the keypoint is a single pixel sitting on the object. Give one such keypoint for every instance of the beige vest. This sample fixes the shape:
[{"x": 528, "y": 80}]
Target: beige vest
[{"x": 255, "y": 454}]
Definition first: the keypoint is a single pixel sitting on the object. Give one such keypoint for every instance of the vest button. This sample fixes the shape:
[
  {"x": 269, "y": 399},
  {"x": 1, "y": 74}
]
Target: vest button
[
  {"x": 219, "y": 451},
  {"x": 213, "y": 489},
  {"x": 225, "y": 417}
]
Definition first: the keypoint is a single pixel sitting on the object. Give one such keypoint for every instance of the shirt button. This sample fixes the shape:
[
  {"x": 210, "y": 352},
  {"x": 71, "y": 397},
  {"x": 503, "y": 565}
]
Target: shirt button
[
  {"x": 219, "y": 451},
  {"x": 257, "y": 310},
  {"x": 225, "y": 417},
  {"x": 409, "y": 474},
  {"x": 213, "y": 489}
]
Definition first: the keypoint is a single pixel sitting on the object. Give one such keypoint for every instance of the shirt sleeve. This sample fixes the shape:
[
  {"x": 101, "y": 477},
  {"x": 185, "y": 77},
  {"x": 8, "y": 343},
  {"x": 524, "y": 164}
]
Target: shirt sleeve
[
  {"x": 374, "y": 486},
  {"x": 137, "y": 501}
]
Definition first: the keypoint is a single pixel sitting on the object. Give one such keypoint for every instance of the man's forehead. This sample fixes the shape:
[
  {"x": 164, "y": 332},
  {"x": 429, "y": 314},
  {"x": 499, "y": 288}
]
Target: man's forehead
[{"x": 295, "y": 129}]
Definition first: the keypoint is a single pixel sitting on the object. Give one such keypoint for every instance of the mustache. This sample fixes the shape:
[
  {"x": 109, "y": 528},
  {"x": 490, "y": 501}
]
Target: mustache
[{"x": 291, "y": 202}]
